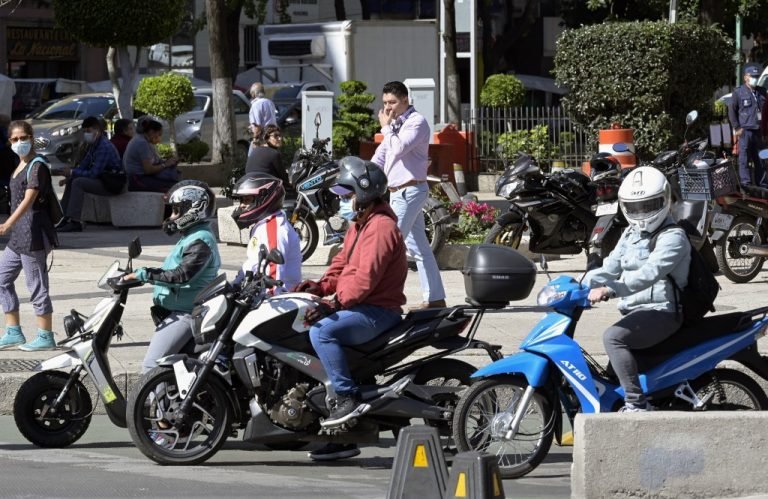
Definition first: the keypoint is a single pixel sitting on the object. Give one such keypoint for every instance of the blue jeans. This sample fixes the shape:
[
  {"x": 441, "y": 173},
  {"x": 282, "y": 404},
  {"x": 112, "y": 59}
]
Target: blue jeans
[
  {"x": 407, "y": 204},
  {"x": 355, "y": 326},
  {"x": 750, "y": 144}
]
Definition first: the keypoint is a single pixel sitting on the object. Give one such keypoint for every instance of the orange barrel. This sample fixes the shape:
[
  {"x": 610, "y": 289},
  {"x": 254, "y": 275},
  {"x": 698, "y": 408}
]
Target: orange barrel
[{"x": 616, "y": 135}]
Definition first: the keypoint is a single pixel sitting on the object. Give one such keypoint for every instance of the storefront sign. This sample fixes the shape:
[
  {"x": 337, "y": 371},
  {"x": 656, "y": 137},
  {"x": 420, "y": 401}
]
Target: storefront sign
[{"x": 40, "y": 44}]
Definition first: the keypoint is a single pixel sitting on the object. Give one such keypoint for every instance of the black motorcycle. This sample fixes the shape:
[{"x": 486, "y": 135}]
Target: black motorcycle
[
  {"x": 556, "y": 207},
  {"x": 261, "y": 375}
]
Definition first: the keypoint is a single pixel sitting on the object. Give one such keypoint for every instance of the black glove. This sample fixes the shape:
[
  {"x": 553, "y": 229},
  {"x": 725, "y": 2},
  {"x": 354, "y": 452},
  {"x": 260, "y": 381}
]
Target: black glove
[
  {"x": 323, "y": 309},
  {"x": 308, "y": 286}
]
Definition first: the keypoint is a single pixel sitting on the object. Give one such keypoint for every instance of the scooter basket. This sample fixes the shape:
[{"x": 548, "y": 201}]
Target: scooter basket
[{"x": 708, "y": 183}]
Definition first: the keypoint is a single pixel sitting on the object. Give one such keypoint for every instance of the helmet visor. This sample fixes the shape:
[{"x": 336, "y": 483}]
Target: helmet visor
[
  {"x": 643, "y": 208},
  {"x": 340, "y": 190}
]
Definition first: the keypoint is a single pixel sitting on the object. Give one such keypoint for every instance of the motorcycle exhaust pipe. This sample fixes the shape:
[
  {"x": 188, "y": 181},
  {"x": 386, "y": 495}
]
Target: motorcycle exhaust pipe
[{"x": 748, "y": 250}]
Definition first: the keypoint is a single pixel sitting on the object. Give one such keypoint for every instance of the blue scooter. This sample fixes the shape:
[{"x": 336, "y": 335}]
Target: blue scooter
[{"x": 514, "y": 408}]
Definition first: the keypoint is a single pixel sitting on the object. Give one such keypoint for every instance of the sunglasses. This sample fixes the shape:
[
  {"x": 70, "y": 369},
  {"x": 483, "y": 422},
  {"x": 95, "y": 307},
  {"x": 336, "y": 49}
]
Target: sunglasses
[
  {"x": 23, "y": 138},
  {"x": 276, "y": 136}
]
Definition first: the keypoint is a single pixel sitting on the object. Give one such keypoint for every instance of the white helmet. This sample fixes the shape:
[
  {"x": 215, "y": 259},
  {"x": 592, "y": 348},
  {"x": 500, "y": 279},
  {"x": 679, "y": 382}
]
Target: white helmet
[{"x": 645, "y": 198}]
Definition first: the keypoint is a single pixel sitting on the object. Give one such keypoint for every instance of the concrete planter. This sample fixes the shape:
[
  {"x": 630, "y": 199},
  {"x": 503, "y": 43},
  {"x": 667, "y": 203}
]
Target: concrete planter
[
  {"x": 451, "y": 256},
  {"x": 486, "y": 182},
  {"x": 215, "y": 175}
]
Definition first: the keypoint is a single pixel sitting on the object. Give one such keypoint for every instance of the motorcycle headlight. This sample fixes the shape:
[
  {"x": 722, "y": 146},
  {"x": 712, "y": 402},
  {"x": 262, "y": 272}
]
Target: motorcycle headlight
[
  {"x": 549, "y": 295},
  {"x": 63, "y": 132},
  {"x": 507, "y": 189}
]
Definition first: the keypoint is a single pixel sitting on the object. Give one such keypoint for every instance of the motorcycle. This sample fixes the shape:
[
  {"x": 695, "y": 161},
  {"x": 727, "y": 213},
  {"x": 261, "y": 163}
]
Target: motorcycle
[
  {"x": 740, "y": 231},
  {"x": 53, "y": 408},
  {"x": 514, "y": 408},
  {"x": 556, "y": 207},
  {"x": 261, "y": 375},
  {"x": 312, "y": 174}
]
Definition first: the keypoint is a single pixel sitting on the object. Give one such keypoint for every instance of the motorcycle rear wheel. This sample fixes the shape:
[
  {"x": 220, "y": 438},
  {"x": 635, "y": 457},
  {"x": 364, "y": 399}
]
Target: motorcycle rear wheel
[
  {"x": 70, "y": 422},
  {"x": 733, "y": 265},
  {"x": 481, "y": 417},
  {"x": 306, "y": 226},
  {"x": 154, "y": 430},
  {"x": 445, "y": 372},
  {"x": 437, "y": 232},
  {"x": 508, "y": 235},
  {"x": 732, "y": 391}
]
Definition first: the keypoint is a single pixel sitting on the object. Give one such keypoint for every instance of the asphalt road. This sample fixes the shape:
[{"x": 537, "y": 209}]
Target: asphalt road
[{"x": 105, "y": 464}]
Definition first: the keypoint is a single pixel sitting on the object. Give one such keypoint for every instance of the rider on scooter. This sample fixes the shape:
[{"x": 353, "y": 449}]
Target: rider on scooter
[
  {"x": 367, "y": 279},
  {"x": 637, "y": 271}
]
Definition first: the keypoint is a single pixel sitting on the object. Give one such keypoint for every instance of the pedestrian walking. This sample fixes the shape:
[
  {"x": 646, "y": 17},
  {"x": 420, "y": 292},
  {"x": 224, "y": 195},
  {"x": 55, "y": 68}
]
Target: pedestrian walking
[
  {"x": 32, "y": 238},
  {"x": 403, "y": 155}
]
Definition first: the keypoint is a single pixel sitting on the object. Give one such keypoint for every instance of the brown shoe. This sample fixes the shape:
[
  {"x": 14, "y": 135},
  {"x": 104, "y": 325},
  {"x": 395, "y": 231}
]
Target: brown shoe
[{"x": 431, "y": 304}]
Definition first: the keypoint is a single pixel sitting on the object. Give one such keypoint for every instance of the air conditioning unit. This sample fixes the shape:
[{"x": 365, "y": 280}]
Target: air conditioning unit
[{"x": 297, "y": 48}]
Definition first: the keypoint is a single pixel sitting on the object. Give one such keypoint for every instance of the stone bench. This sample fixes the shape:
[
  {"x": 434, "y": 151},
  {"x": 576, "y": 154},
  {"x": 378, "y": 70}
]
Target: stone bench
[
  {"x": 129, "y": 209},
  {"x": 670, "y": 454},
  {"x": 228, "y": 231}
]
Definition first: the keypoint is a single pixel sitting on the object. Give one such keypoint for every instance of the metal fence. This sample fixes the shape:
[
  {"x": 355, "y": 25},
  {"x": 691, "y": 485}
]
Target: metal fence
[{"x": 547, "y": 132}]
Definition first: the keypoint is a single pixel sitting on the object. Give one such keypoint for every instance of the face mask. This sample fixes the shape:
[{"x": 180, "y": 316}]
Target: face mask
[
  {"x": 346, "y": 209},
  {"x": 752, "y": 81},
  {"x": 88, "y": 137},
  {"x": 22, "y": 148}
]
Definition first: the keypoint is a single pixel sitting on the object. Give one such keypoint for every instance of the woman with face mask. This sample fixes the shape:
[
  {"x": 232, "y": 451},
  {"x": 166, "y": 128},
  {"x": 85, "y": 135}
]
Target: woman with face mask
[
  {"x": 32, "y": 238},
  {"x": 146, "y": 170},
  {"x": 100, "y": 156}
]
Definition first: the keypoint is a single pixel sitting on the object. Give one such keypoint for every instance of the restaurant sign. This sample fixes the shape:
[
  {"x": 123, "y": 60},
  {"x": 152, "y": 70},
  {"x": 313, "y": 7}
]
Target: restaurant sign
[{"x": 40, "y": 44}]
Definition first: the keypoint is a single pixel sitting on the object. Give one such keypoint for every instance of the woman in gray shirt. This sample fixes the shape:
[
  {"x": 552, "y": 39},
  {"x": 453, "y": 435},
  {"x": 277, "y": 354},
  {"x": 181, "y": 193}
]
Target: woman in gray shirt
[{"x": 145, "y": 169}]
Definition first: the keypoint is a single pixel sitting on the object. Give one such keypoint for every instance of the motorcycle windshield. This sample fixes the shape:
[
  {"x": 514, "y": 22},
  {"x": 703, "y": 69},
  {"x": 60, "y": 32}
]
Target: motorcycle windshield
[{"x": 523, "y": 164}]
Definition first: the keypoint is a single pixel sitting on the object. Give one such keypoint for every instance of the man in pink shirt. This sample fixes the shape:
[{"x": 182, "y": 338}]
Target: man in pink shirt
[{"x": 403, "y": 157}]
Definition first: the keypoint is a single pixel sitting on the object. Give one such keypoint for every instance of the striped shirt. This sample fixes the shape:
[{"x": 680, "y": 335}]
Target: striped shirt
[{"x": 275, "y": 231}]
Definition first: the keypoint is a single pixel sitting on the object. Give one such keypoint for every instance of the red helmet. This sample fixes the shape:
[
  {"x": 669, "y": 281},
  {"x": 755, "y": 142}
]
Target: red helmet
[{"x": 268, "y": 193}]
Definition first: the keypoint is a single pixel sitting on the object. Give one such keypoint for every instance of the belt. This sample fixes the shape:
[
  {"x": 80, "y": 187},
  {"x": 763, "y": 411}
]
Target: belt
[{"x": 410, "y": 183}]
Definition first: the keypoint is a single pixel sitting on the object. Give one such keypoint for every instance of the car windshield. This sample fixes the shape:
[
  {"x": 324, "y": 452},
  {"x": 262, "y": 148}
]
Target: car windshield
[
  {"x": 287, "y": 93},
  {"x": 77, "y": 108}
]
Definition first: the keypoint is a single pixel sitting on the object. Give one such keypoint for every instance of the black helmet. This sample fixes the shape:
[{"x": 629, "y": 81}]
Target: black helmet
[
  {"x": 603, "y": 165},
  {"x": 268, "y": 193},
  {"x": 364, "y": 178},
  {"x": 192, "y": 202}
]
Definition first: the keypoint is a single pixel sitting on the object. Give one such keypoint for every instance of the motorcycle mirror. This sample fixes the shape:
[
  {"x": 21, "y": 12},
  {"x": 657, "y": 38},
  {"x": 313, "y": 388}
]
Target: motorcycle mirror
[
  {"x": 763, "y": 154},
  {"x": 691, "y": 117},
  {"x": 134, "y": 249},
  {"x": 544, "y": 265},
  {"x": 276, "y": 256}
]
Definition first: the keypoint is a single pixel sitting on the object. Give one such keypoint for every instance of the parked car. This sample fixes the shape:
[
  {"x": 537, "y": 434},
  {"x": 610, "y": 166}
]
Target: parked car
[{"x": 288, "y": 95}]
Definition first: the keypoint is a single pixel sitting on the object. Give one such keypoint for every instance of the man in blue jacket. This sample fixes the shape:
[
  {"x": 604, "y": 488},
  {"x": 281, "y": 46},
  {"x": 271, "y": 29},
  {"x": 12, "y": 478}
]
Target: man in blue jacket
[{"x": 745, "y": 113}]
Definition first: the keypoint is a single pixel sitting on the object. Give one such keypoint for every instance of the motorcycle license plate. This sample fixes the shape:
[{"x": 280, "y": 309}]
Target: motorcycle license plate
[
  {"x": 722, "y": 221},
  {"x": 607, "y": 209}
]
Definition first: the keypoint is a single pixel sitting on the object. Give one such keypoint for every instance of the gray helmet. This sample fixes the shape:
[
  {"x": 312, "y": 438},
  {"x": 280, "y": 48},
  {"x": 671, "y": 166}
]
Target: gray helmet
[
  {"x": 192, "y": 202},
  {"x": 364, "y": 178}
]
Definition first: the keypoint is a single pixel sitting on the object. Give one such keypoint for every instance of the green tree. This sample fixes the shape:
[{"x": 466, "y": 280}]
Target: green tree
[
  {"x": 502, "y": 91},
  {"x": 118, "y": 25},
  {"x": 643, "y": 75},
  {"x": 355, "y": 121},
  {"x": 166, "y": 97}
]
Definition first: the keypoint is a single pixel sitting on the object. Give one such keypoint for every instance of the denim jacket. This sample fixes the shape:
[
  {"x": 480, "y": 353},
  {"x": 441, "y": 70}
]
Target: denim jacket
[{"x": 638, "y": 275}]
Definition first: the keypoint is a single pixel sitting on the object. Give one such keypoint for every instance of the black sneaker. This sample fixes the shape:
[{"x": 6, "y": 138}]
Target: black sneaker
[
  {"x": 71, "y": 226},
  {"x": 346, "y": 408},
  {"x": 332, "y": 452}
]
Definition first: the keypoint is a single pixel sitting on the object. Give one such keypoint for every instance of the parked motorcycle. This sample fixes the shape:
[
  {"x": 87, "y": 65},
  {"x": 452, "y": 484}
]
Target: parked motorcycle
[
  {"x": 312, "y": 173},
  {"x": 261, "y": 374},
  {"x": 514, "y": 408},
  {"x": 53, "y": 408},
  {"x": 740, "y": 230},
  {"x": 556, "y": 207}
]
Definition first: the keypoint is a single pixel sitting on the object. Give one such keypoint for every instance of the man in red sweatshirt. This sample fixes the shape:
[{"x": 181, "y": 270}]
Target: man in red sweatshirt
[{"x": 367, "y": 279}]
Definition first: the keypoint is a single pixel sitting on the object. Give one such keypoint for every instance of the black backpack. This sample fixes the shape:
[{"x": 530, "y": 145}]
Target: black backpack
[{"x": 698, "y": 296}]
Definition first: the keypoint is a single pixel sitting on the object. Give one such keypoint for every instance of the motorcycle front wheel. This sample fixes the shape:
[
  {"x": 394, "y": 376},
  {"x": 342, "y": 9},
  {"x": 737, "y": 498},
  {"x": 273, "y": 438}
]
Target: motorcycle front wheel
[
  {"x": 508, "y": 235},
  {"x": 735, "y": 266},
  {"x": 34, "y": 419},
  {"x": 483, "y": 416},
  {"x": 306, "y": 227},
  {"x": 159, "y": 436}
]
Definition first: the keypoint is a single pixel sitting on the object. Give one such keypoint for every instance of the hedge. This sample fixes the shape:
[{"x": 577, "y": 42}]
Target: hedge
[{"x": 643, "y": 75}]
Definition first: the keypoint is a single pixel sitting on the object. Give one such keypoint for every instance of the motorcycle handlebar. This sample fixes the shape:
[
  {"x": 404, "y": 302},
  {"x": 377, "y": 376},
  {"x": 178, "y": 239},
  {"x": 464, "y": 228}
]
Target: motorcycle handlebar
[{"x": 118, "y": 284}]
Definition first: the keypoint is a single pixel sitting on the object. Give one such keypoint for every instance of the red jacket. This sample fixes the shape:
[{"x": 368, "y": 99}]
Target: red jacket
[{"x": 371, "y": 267}]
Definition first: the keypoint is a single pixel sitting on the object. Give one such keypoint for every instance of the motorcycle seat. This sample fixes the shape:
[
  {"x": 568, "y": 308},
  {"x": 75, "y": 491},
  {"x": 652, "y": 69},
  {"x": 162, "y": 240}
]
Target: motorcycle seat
[
  {"x": 688, "y": 336},
  {"x": 755, "y": 191},
  {"x": 410, "y": 322}
]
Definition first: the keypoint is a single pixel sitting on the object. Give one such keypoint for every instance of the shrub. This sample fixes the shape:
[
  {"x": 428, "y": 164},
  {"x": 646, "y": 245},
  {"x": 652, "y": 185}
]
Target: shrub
[
  {"x": 166, "y": 97},
  {"x": 502, "y": 91},
  {"x": 355, "y": 121},
  {"x": 534, "y": 142},
  {"x": 643, "y": 75},
  {"x": 193, "y": 151},
  {"x": 475, "y": 219}
]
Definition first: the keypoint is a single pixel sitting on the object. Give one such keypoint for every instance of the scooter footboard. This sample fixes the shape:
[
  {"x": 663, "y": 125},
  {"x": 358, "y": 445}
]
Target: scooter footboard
[{"x": 534, "y": 367}]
